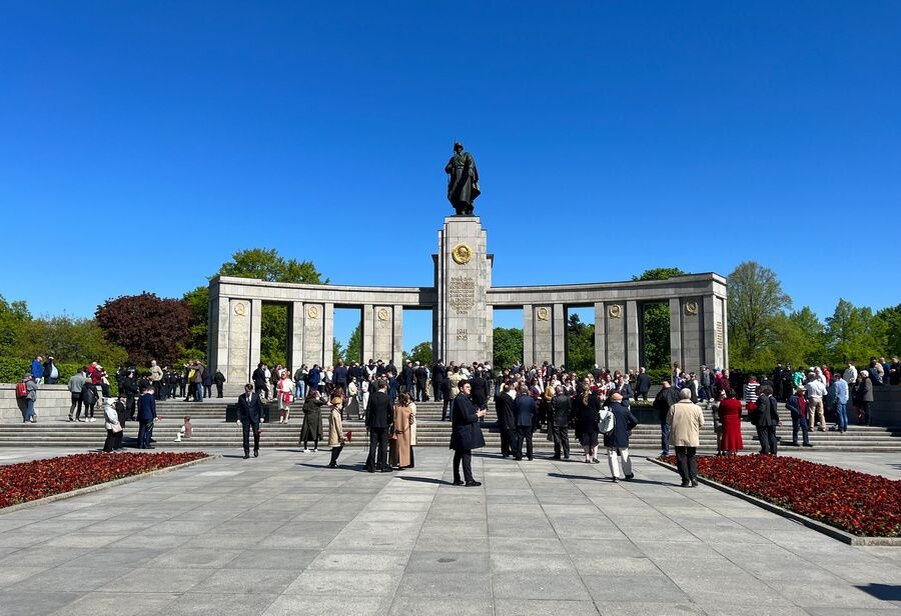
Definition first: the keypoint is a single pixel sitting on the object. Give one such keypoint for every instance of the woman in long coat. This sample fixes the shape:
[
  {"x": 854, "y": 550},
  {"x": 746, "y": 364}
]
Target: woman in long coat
[
  {"x": 312, "y": 421},
  {"x": 730, "y": 418},
  {"x": 403, "y": 425},
  {"x": 335, "y": 434},
  {"x": 587, "y": 407},
  {"x": 617, "y": 441}
]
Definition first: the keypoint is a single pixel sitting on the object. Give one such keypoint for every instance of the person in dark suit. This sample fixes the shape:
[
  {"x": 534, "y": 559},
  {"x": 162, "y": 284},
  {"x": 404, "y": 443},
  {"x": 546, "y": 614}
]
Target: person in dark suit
[
  {"x": 561, "y": 410},
  {"x": 479, "y": 387},
  {"x": 524, "y": 410},
  {"x": 617, "y": 441},
  {"x": 250, "y": 411},
  {"x": 146, "y": 416},
  {"x": 506, "y": 420},
  {"x": 642, "y": 384},
  {"x": 439, "y": 376},
  {"x": 466, "y": 434},
  {"x": 379, "y": 416},
  {"x": 766, "y": 419}
]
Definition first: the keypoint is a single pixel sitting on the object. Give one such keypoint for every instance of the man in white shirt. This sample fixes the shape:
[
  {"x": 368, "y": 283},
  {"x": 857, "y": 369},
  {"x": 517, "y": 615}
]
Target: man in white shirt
[{"x": 815, "y": 391}]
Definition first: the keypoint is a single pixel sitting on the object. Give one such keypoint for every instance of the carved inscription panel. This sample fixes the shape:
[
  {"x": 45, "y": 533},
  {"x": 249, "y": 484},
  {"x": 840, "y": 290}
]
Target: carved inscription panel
[{"x": 461, "y": 294}]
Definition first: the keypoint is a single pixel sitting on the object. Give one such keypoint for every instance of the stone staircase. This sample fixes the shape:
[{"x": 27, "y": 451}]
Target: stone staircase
[{"x": 211, "y": 431}]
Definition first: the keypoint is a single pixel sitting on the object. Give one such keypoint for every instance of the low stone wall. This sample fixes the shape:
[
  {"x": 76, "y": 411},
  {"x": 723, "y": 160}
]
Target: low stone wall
[
  {"x": 886, "y": 407},
  {"x": 53, "y": 401}
]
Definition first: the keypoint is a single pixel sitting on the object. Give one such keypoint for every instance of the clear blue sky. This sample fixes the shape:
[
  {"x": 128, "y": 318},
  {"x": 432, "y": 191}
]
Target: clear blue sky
[{"x": 145, "y": 142}]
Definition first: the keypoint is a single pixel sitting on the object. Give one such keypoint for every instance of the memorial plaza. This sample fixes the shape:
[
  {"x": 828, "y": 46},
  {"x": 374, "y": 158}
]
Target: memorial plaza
[{"x": 282, "y": 534}]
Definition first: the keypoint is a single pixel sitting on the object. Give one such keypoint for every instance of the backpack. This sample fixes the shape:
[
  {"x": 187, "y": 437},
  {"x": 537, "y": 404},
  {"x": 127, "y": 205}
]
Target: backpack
[
  {"x": 607, "y": 421},
  {"x": 21, "y": 390}
]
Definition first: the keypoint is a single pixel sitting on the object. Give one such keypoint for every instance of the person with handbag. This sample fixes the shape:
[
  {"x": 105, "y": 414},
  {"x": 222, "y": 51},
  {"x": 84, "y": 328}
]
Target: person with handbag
[
  {"x": 617, "y": 440},
  {"x": 113, "y": 427},
  {"x": 335, "y": 434}
]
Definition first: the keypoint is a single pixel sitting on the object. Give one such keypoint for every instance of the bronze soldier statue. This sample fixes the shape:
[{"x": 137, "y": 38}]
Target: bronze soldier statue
[{"x": 462, "y": 181}]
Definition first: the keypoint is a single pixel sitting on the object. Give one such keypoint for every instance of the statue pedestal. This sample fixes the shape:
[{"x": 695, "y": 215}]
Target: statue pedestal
[{"x": 463, "y": 321}]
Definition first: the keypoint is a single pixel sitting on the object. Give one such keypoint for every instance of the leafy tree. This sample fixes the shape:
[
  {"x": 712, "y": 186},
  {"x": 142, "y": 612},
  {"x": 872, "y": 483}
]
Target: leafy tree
[
  {"x": 12, "y": 316},
  {"x": 198, "y": 301},
  {"x": 147, "y": 326},
  {"x": 854, "y": 334},
  {"x": 891, "y": 321},
  {"x": 268, "y": 265},
  {"x": 354, "y": 350},
  {"x": 507, "y": 347},
  {"x": 579, "y": 344},
  {"x": 799, "y": 339},
  {"x": 755, "y": 300},
  {"x": 70, "y": 340},
  {"x": 337, "y": 352},
  {"x": 422, "y": 353},
  {"x": 655, "y": 322}
]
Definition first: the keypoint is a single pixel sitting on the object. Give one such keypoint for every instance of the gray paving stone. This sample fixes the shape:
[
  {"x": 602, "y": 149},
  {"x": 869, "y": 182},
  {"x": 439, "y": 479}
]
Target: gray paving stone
[
  {"x": 418, "y": 606},
  {"x": 565, "y": 586},
  {"x": 468, "y": 585},
  {"x": 116, "y": 604},
  {"x": 201, "y": 604},
  {"x": 349, "y": 583},
  {"x": 534, "y": 607},
  {"x": 335, "y": 603},
  {"x": 18, "y": 603}
]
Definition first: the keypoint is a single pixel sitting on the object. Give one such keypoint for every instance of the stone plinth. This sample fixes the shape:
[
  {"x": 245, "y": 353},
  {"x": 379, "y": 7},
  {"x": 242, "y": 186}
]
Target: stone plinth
[{"x": 463, "y": 277}]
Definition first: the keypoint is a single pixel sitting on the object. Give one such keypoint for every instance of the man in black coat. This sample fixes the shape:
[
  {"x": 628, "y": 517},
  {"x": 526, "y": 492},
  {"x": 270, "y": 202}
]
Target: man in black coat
[
  {"x": 250, "y": 411},
  {"x": 766, "y": 418},
  {"x": 259, "y": 380},
  {"x": 506, "y": 420},
  {"x": 479, "y": 391},
  {"x": 666, "y": 397},
  {"x": 406, "y": 378},
  {"x": 422, "y": 378},
  {"x": 378, "y": 421},
  {"x": 466, "y": 434},
  {"x": 524, "y": 410},
  {"x": 642, "y": 384},
  {"x": 561, "y": 409},
  {"x": 219, "y": 380},
  {"x": 439, "y": 376}
]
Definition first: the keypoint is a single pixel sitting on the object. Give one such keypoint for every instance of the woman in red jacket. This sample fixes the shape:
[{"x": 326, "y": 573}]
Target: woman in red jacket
[{"x": 730, "y": 417}]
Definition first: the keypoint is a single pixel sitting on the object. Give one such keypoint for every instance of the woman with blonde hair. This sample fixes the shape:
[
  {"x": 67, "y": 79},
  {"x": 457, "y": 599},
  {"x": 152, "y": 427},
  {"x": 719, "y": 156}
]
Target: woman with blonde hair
[
  {"x": 285, "y": 396},
  {"x": 402, "y": 439}
]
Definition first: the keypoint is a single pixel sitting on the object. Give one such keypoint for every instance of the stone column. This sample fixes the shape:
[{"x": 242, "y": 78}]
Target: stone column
[
  {"x": 463, "y": 278},
  {"x": 218, "y": 333},
  {"x": 559, "y": 335},
  {"x": 368, "y": 331},
  {"x": 692, "y": 334},
  {"x": 328, "y": 335},
  {"x": 600, "y": 336},
  {"x": 397, "y": 344},
  {"x": 238, "y": 358},
  {"x": 313, "y": 334},
  {"x": 295, "y": 335},
  {"x": 489, "y": 327},
  {"x": 383, "y": 333},
  {"x": 675, "y": 332},
  {"x": 615, "y": 328},
  {"x": 632, "y": 317},
  {"x": 256, "y": 328},
  {"x": 543, "y": 334},
  {"x": 714, "y": 329},
  {"x": 528, "y": 335}
]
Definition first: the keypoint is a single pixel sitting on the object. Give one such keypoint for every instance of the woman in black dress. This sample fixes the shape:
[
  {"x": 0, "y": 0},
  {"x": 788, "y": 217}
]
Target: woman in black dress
[{"x": 587, "y": 407}]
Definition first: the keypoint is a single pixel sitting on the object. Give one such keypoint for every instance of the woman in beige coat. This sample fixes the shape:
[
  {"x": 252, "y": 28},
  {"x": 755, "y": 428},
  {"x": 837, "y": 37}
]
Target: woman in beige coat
[
  {"x": 403, "y": 425},
  {"x": 335, "y": 434}
]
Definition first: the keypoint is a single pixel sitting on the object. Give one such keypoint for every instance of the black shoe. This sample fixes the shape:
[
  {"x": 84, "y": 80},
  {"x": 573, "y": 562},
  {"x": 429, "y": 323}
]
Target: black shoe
[
  {"x": 555, "y": 457},
  {"x": 256, "y": 453},
  {"x": 370, "y": 470},
  {"x": 473, "y": 484},
  {"x": 793, "y": 444},
  {"x": 387, "y": 470},
  {"x": 517, "y": 458},
  {"x": 807, "y": 445},
  {"x": 530, "y": 458},
  {"x": 685, "y": 484},
  {"x": 566, "y": 457},
  {"x": 630, "y": 477},
  {"x": 694, "y": 483},
  {"x": 457, "y": 482},
  {"x": 332, "y": 465},
  {"x": 615, "y": 480}
]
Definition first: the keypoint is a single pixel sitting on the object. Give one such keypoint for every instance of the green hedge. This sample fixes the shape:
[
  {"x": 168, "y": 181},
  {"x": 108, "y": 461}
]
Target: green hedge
[{"x": 12, "y": 369}]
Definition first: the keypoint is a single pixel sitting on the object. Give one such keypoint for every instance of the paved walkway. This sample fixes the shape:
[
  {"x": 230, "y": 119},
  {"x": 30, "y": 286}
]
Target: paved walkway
[{"x": 283, "y": 535}]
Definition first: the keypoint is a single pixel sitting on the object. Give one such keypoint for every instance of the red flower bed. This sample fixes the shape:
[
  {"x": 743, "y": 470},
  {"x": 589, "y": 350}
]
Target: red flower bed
[
  {"x": 858, "y": 503},
  {"x": 28, "y": 481}
]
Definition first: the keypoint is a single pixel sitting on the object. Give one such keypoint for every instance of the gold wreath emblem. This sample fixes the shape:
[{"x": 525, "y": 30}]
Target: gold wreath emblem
[
  {"x": 313, "y": 312},
  {"x": 461, "y": 254},
  {"x": 543, "y": 314},
  {"x": 615, "y": 311},
  {"x": 691, "y": 308},
  {"x": 382, "y": 314},
  {"x": 240, "y": 309}
]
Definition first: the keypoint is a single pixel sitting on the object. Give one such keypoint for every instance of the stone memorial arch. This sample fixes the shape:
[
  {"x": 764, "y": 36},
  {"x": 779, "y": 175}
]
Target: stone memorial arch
[{"x": 462, "y": 302}]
